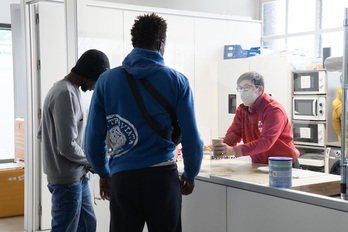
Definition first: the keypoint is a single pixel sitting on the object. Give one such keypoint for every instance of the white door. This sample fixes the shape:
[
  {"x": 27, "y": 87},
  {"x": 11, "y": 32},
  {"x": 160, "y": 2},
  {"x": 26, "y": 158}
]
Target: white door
[{"x": 50, "y": 55}]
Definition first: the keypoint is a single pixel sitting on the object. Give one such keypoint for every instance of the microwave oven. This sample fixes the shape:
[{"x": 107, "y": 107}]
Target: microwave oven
[
  {"x": 310, "y": 82},
  {"x": 309, "y": 108},
  {"x": 308, "y": 133}
]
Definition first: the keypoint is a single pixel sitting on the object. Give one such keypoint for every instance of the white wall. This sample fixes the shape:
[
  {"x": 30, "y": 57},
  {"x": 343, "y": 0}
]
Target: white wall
[
  {"x": 245, "y": 8},
  {"x": 5, "y": 15}
]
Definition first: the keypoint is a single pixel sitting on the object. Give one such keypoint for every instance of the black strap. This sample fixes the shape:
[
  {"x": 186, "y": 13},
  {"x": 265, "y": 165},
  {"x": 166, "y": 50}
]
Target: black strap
[
  {"x": 160, "y": 99},
  {"x": 144, "y": 114}
]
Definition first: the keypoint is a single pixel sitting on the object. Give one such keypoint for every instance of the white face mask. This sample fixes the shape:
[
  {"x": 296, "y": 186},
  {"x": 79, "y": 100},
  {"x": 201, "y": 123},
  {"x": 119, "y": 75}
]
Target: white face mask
[{"x": 248, "y": 97}]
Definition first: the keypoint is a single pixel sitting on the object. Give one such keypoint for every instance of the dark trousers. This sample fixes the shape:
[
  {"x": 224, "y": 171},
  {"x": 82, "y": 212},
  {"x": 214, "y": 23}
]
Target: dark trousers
[{"x": 150, "y": 195}]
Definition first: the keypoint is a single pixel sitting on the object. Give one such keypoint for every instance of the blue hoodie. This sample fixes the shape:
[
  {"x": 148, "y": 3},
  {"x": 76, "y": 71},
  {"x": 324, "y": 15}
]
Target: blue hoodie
[{"x": 134, "y": 144}]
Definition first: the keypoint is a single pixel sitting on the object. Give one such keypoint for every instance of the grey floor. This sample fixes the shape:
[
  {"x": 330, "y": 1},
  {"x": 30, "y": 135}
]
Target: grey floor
[{"x": 12, "y": 224}]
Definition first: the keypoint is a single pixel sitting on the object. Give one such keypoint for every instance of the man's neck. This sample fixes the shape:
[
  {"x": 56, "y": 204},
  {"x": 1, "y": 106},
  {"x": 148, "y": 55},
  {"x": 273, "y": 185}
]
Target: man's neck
[{"x": 73, "y": 79}]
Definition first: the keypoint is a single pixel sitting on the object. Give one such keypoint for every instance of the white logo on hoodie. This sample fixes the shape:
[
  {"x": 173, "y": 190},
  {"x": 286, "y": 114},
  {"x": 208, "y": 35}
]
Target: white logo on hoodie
[{"x": 123, "y": 135}]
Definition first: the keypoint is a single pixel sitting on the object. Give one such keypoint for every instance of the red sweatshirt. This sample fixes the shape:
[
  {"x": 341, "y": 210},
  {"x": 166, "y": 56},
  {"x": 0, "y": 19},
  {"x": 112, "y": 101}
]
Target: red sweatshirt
[{"x": 265, "y": 131}]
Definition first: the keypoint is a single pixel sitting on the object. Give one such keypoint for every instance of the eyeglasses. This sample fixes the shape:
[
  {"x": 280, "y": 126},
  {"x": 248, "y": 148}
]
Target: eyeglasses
[{"x": 245, "y": 88}]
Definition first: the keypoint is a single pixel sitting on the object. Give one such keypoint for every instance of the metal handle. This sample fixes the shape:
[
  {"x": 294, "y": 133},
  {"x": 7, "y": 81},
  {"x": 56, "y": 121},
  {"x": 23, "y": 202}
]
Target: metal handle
[
  {"x": 343, "y": 162},
  {"x": 315, "y": 108}
]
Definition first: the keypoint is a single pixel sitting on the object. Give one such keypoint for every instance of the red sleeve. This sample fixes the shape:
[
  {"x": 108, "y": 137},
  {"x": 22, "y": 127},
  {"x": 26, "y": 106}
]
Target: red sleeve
[
  {"x": 273, "y": 123},
  {"x": 234, "y": 132}
]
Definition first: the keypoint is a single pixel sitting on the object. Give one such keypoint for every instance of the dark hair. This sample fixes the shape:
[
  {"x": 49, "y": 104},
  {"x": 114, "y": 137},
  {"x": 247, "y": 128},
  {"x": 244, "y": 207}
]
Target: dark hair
[
  {"x": 148, "y": 30},
  {"x": 254, "y": 77}
]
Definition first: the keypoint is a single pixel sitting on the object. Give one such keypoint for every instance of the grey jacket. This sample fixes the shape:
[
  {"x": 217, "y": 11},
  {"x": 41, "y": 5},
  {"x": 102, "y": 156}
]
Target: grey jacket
[{"x": 61, "y": 134}]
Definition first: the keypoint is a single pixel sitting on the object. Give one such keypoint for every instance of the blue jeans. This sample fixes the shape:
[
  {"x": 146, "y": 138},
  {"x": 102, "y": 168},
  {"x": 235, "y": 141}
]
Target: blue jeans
[{"x": 72, "y": 208}]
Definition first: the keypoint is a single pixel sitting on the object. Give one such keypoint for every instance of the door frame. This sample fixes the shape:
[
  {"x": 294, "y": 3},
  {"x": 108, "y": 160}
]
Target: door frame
[{"x": 33, "y": 171}]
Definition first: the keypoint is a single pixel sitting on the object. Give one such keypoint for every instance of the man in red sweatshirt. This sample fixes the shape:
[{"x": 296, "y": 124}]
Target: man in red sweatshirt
[{"x": 261, "y": 123}]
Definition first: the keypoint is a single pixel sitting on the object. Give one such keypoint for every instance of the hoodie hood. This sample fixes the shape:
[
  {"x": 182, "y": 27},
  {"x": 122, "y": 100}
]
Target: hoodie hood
[{"x": 142, "y": 62}]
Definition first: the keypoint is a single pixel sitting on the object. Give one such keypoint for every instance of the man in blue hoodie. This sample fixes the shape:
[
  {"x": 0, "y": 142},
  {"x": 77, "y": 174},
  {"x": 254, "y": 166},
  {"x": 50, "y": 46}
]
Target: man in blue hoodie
[{"x": 141, "y": 168}]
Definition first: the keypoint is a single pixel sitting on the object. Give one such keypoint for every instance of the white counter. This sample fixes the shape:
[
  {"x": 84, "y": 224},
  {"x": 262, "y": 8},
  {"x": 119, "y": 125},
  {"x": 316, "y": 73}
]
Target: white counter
[{"x": 231, "y": 197}]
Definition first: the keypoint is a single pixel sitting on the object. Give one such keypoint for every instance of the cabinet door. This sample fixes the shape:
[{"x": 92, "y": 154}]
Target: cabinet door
[
  {"x": 205, "y": 208},
  {"x": 228, "y": 73},
  {"x": 250, "y": 211}
]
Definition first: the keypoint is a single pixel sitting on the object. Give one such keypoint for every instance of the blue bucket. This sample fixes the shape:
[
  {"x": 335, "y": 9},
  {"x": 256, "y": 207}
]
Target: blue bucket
[{"x": 280, "y": 172}]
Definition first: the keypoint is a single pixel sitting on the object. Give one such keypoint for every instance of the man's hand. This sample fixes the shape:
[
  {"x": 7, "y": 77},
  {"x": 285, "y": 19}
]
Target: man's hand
[
  {"x": 89, "y": 169},
  {"x": 186, "y": 186},
  {"x": 224, "y": 149},
  {"x": 104, "y": 186}
]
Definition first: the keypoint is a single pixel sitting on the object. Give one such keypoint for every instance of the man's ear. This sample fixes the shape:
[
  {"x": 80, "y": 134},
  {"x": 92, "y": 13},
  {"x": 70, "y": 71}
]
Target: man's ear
[
  {"x": 260, "y": 90},
  {"x": 159, "y": 45}
]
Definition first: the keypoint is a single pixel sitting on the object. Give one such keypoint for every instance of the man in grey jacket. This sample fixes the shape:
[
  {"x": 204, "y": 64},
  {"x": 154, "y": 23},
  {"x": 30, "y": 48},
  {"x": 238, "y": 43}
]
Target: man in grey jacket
[{"x": 61, "y": 135}]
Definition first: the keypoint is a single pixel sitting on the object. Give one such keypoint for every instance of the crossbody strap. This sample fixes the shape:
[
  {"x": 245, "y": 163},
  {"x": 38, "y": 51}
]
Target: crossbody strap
[
  {"x": 160, "y": 99},
  {"x": 144, "y": 114}
]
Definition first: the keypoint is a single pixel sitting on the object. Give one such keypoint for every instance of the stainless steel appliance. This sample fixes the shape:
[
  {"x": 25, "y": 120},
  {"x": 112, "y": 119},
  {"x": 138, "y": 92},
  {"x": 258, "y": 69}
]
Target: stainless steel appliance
[
  {"x": 309, "y": 108},
  {"x": 308, "y": 133},
  {"x": 333, "y": 151},
  {"x": 310, "y": 82}
]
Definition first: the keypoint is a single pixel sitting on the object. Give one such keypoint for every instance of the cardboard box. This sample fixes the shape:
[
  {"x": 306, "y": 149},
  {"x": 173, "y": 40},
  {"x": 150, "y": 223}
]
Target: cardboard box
[
  {"x": 12, "y": 191},
  {"x": 19, "y": 139}
]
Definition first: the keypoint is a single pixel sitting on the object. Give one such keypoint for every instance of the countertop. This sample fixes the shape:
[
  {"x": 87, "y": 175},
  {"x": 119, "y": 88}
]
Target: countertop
[{"x": 243, "y": 170}]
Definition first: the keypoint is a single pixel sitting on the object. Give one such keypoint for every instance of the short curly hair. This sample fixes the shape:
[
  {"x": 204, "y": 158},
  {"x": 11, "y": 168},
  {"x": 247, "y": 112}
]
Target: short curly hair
[{"x": 148, "y": 29}]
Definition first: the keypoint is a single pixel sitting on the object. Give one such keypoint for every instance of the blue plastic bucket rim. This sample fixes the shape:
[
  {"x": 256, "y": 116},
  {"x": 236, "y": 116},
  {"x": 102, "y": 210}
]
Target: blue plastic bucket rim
[{"x": 280, "y": 158}]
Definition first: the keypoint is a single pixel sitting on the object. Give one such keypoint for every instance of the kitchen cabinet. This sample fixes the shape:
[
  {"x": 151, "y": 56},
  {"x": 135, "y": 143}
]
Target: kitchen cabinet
[
  {"x": 205, "y": 209},
  {"x": 251, "y": 205},
  {"x": 251, "y": 211}
]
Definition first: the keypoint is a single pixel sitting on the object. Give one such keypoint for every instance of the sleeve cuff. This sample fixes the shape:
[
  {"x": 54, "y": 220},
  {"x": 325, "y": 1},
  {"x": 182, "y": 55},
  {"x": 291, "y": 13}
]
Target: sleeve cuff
[
  {"x": 104, "y": 175},
  {"x": 238, "y": 150},
  {"x": 188, "y": 179}
]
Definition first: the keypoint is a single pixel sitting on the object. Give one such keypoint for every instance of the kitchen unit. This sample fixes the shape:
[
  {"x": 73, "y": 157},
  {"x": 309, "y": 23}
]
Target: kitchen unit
[
  {"x": 233, "y": 195},
  {"x": 312, "y": 94}
]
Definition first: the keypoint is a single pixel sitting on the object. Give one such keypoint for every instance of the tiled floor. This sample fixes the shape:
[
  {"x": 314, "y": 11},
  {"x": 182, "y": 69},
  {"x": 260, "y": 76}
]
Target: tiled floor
[{"x": 12, "y": 224}]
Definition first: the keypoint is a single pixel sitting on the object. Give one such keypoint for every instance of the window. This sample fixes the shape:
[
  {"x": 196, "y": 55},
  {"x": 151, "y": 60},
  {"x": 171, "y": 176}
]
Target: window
[
  {"x": 6, "y": 94},
  {"x": 304, "y": 25},
  {"x": 301, "y": 16},
  {"x": 274, "y": 18}
]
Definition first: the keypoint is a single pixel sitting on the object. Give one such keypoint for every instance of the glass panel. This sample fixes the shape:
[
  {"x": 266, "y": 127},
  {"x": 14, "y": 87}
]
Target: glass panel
[
  {"x": 274, "y": 18},
  {"x": 275, "y": 44},
  {"x": 333, "y": 40},
  {"x": 301, "y": 15},
  {"x": 6, "y": 96},
  {"x": 308, "y": 81},
  {"x": 305, "y": 132},
  {"x": 333, "y": 13},
  {"x": 304, "y": 107},
  {"x": 304, "y": 45}
]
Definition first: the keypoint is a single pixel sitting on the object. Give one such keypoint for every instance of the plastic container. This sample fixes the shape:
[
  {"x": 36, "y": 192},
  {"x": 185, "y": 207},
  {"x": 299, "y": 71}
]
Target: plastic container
[
  {"x": 236, "y": 51},
  {"x": 280, "y": 172}
]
